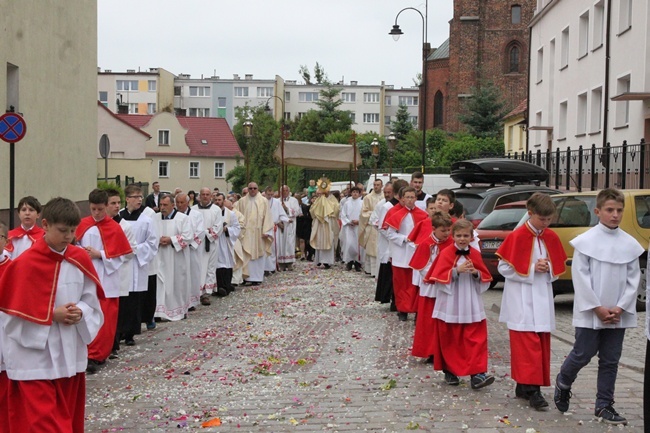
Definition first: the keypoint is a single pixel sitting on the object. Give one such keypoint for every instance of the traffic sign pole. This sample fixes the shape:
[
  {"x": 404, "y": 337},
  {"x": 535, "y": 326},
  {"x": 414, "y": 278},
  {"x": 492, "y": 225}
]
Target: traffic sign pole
[
  {"x": 12, "y": 182},
  {"x": 12, "y": 130}
]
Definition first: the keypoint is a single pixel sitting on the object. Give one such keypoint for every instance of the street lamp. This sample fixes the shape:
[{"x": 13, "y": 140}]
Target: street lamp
[
  {"x": 282, "y": 173},
  {"x": 375, "y": 153},
  {"x": 396, "y": 32},
  {"x": 392, "y": 141},
  {"x": 248, "y": 133}
]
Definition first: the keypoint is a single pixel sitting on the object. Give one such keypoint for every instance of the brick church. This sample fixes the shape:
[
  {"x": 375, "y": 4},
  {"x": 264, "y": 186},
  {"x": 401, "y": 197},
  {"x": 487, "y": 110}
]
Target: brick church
[{"x": 488, "y": 42}]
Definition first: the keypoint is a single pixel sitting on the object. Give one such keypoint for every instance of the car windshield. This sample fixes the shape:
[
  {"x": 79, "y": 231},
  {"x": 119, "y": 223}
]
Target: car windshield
[
  {"x": 470, "y": 202},
  {"x": 502, "y": 219},
  {"x": 575, "y": 211}
]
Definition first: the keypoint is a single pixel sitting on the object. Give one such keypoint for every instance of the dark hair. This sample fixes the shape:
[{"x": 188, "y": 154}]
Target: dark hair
[
  {"x": 222, "y": 195},
  {"x": 398, "y": 185},
  {"x": 417, "y": 175},
  {"x": 130, "y": 189},
  {"x": 458, "y": 210},
  {"x": 441, "y": 219},
  {"x": 337, "y": 195},
  {"x": 31, "y": 202},
  {"x": 403, "y": 191},
  {"x": 98, "y": 196},
  {"x": 449, "y": 194},
  {"x": 541, "y": 204},
  {"x": 430, "y": 200},
  {"x": 355, "y": 189},
  {"x": 112, "y": 192},
  {"x": 61, "y": 210},
  {"x": 192, "y": 193}
]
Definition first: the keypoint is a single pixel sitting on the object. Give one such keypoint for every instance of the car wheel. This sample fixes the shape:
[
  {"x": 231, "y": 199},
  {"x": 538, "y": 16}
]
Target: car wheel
[{"x": 641, "y": 291}]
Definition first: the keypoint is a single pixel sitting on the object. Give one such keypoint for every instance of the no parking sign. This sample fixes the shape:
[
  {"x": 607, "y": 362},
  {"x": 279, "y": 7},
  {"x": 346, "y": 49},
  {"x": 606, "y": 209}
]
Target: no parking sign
[{"x": 12, "y": 127}]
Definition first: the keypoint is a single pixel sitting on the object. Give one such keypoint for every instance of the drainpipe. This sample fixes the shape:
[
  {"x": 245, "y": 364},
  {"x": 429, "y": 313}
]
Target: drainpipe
[
  {"x": 606, "y": 84},
  {"x": 530, "y": 44}
]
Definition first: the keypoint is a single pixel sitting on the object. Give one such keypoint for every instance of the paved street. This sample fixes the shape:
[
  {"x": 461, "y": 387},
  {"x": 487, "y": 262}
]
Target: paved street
[{"x": 311, "y": 351}]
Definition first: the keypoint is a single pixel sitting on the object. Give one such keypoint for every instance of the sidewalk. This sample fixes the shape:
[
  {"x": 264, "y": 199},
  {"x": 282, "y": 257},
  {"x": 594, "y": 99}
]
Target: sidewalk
[{"x": 311, "y": 351}]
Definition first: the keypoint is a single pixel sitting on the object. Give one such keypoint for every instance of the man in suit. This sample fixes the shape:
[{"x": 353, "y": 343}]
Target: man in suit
[{"x": 152, "y": 199}]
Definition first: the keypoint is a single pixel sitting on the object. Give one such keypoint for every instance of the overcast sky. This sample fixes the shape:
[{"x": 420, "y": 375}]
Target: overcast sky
[{"x": 349, "y": 38}]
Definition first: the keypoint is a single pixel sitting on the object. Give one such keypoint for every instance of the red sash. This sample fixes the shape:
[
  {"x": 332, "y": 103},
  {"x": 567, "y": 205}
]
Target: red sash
[
  {"x": 396, "y": 215},
  {"x": 442, "y": 266},
  {"x": 421, "y": 232},
  {"x": 517, "y": 250},
  {"x": 28, "y": 286},
  {"x": 424, "y": 250},
  {"x": 33, "y": 234},
  {"x": 115, "y": 241}
]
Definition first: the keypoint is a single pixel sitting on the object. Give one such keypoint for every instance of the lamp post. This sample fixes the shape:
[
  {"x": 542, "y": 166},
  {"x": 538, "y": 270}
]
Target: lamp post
[
  {"x": 282, "y": 132},
  {"x": 396, "y": 32},
  {"x": 248, "y": 133},
  {"x": 392, "y": 141},
  {"x": 375, "y": 153}
]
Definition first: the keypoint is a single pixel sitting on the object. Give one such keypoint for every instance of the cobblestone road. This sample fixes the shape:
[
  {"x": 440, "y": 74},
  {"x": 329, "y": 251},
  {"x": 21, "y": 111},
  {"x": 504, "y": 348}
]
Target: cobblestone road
[{"x": 310, "y": 351}]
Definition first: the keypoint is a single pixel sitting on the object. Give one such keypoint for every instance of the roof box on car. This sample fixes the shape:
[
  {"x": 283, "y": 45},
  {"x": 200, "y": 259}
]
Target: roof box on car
[{"x": 497, "y": 171}]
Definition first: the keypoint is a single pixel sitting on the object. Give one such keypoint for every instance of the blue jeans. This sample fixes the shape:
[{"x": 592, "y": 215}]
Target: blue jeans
[{"x": 608, "y": 344}]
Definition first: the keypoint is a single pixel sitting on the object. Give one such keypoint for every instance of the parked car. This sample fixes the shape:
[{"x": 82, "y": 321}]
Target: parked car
[
  {"x": 480, "y": 201},
  {"x": 575, "y": 215},
  {"x": 494, "y": 229}
]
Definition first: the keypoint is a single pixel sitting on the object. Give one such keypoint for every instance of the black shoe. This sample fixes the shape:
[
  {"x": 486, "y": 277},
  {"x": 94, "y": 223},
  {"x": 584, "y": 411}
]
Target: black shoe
[
  {"x": 114, "y": 355},
  {"x": 221, "y": 292},
  {"x": 520, "y": 392},
  {"x": 327, "y": 266},
  {"x": 561, "y": 396},
  {"x": 191, "y": 309},
  {"x": 348, "y": 266},
  {"x": 255, "y": 283},
  {"x": 357, "y": 266},
  {"x": 537, "y": 400},
  {"x": 429, "y": 360},
  {"x": 93, "y": 367},
  {"x": 609, "y": 415},
  {"x": 392, "y": 307},
  {"x": 451, "y": 379},
  {"x": 130, "y": 342},
  {"x": 317, "y": 264},
  {"x": 403, "y": 317},
  {"x": 481, "y": 380}
]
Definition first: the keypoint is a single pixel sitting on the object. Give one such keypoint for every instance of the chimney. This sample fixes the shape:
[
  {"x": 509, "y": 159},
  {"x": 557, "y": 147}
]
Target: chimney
[
  {"x": 248, "y": 77},
  {"x": 130, "y": 71},
  {"x": 235, "y": 76},
  {"x": 353, "y": 83}
]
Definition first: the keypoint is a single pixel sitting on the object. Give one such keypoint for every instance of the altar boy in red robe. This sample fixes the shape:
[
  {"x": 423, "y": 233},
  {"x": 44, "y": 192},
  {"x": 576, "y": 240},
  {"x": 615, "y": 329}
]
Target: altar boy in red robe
[
  {"x": 460, "y": 277},
  {"x": 23, "y": 237},
  {"x": 49, "y": 313}
]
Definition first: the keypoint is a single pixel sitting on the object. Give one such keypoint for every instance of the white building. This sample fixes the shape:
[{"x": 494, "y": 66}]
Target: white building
[
  {"x": 147, "y": 92},
  {"x": 578, "y": 97}
]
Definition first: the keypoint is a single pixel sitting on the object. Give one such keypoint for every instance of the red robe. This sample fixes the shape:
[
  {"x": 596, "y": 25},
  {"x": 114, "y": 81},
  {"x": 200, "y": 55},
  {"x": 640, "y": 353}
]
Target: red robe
[
  {"x": 442, "y": 267},
  {"x": 19, "y": 232},
  {"x": 113, "y": 238},
  {"x": 4, "y": 381}
]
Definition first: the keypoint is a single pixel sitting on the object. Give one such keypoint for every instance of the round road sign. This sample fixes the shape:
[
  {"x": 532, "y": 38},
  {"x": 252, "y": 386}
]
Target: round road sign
[{"x": 12, "y": 127}]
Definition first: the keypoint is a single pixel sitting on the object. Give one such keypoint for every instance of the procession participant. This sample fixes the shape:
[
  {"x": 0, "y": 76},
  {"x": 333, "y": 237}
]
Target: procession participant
[
  {"x": 286, "y": 243},
  {"x": 109, "y": 249},
  {"x": 132, "y": 306},
  {"x": 23, "y": 237},
  {"x": 209, "y": 251},
  {"x": 4, "y": 381},
  {"x": 368, "y": 234},
  {"x": 152, "y": 201},
  {"x": 238, "y": 252},
  {"x": 399, "y": 223},
  {"x": 417, "y": 182},
  {"x": 196, "y": 223},
  {"x": 174, "y": 229},
  {"x": 227, "y": 239},
  {"x": 47, "y": 328},
  {"x": 350, "y": 213},
  {"x": 324, "y": 212},
  {"x": 280, "y": 219},
  {"x": 258, "y": 236},
  {"x": 303, "y": 230},
  {"x": 384, "y": 291}
]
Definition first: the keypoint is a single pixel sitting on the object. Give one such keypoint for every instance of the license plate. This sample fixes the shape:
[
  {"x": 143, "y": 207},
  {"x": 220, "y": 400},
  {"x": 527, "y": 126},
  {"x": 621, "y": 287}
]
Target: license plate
[{"x": 491, "y": 245}]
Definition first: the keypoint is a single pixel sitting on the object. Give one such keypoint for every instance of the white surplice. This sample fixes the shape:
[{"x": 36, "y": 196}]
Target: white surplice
[
  {"x": 350, "y": 211},
  {"x": 277, "y": 215},
  {"x": 286, "y": 239},
  {"x": 196, "y": 223},
  {"x": 213, "y": 226}
]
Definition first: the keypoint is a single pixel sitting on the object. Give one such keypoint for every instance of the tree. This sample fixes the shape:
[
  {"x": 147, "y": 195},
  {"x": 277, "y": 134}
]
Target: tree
[
  {"x": 319, "y": 74},
  {"x": 304, "y": 72},
  {"x": 315, "y": 124},
  {"x": 464, "y": 146},
  {"x": 402, "y": 124},
  {"x": 485, "y": 111}
]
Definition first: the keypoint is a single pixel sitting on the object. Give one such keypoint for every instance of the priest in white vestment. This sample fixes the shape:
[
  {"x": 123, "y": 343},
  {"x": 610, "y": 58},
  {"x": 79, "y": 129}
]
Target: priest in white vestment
[
  {"x": 213, "y": 225},
  {"x": 286, "y": 244},
  {"x": 325, "y": 224},
  {"x": 198, "y": 234},
  {"x": 258, "y": 236},
  {"x": 350, "y": 213},
  {"x": 368, "y": 233},
  {"x": 280, "y": 220},
  {"x": 227, "y": 240}
]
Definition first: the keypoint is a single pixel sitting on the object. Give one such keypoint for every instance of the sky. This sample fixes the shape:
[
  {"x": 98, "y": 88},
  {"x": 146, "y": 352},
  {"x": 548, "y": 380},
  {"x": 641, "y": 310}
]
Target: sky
[{"x": 348, "y": 38}]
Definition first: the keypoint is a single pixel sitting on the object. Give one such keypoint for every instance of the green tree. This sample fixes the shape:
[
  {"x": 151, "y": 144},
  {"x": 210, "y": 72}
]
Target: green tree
[
  {"x": 315, "y": 124},
  {"x": 402, "y": 125},
  {"x": 319, "y": 74},
  {"x": 484, "y": 111},
  {"x": 305, "y": 74},
  {"x": 464, "y": 146}
]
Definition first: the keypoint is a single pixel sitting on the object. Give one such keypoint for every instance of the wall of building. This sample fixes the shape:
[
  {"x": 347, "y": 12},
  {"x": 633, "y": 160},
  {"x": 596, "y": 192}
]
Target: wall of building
[{"x": 179, "y": 172}]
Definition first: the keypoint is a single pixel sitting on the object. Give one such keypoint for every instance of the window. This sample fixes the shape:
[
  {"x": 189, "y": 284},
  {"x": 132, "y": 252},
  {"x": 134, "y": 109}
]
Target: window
[
  {"x": 438, "y": 107},
  {"x": 408, "y": 100},
  {"x": 622, "y": 107},
  {"x": 307, "y": 96},
  {"x": 413, "y": 120},
  {"x": 163, "y": 168},
  {"x": 163, "y": 137},
  {"x": 103, "y": 98},
  {"x": 564, "y": 61},
  {"x": 581, "y": 125},
  {"x": 386, "y": 120},
  {"x": 370, "y": 117},
  {"x": 194, "y": 169},
  {"x": 133, "y": 108},
  {"x": 599, "y": 24},
  {"x": 241, "y": 92},
  {"x": 152, "y": 85},
  {"x": 287, "y": 96},
  {"x": 371, "y": 97},
  {"x": 221, "y": 102},
  {"x": 199, "y": 91},
  {"x": 595, "y": 116},
  {"x": 177, "y": 90},
  {"x": 561, "y": 133},
  {"x": 151, "y": 108},
  {"x": 199, "y": 112},
  {"x": 348, "y": 97},
  {"x": 624, "y": 15},
  {"x": 127, "y": 85},
  {"x": 540, "y": 65},
  {"x": 287, "y": 115},
  {"x": 583, "y": 36},
  {"x": 218, "y": 169},
  {"x": 264, "y": 92},
  {"x": 387, "y": 100},
  {"x": 515, "y": 14},
  {"x": 300, "y": 114},
  {"x": 538, "y": 133},
  {"x": 353, "y": 117},
  {"x": 514, "y": 57}
]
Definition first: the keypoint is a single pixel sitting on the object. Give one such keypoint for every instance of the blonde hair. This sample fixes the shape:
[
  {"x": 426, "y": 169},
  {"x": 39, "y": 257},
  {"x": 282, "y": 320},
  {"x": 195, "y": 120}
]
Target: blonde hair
[{"x": 462, "y": 225}]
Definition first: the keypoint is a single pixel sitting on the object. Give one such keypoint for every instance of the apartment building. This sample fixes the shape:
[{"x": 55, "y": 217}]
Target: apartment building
[
  {"x": 137, "y": 92},
  {"x": 588, "y": 73}
]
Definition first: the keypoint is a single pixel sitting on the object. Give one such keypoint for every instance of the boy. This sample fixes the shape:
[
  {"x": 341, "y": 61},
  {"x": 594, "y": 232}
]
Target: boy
[
  {"x": 47, "y": 321},
  {"x": 4, "y": 382},
  {"x": 350, "y": 213},
  {"x": 443, "y": 202},
  {"x": 425, "y": 254},
  {"x": 23, "y": 237},
  {"x": 605, "y": 273},
  {"x": 460, "y": 277},
  {"x": 109, "y": 248},
  {"x": 532, "y": 258}
]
